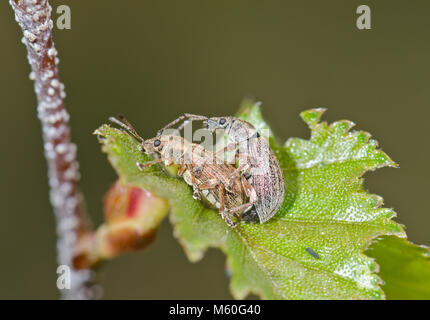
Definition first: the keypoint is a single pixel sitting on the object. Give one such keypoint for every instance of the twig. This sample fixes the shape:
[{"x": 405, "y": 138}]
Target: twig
[{"x": 34, "y": 18}]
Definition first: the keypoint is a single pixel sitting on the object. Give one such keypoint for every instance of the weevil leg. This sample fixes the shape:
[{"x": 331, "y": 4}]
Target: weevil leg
[
  {"x": 235, "y": 174},
  {"x": 196, "y": 194},
  {"x": 221, "y": 198},
  {"x": 232, "y": 224},
  {"x": 225, "y": 214},
  {"x": 237, "y": 211},
  {"x": 251, "y": 195},
  {"x": 181, "y": 170},
  {"x": 249, "y": 190},
  {"x": 195, "y": 116},
  {"x": 183, "y": 118},
  {"x": 171, "y": 124},
  {"x": 192, "y": 117},
  {"x": 229, "y": 147},
  {"x": 209, "y": 184},
  {"x": 141, "y": 166},
  {"x": 196, "y": 191}
]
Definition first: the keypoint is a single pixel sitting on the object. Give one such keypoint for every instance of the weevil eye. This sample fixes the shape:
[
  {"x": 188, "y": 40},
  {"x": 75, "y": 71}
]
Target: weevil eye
[
  {"x": 157, "y": 143},
  {"x": 222, "y": 121}
]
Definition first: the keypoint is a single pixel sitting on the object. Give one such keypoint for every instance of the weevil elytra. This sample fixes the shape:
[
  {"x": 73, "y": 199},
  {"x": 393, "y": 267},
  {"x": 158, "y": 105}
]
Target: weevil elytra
[
  {"x": 256, "y": 161},
  {"x": 212, "y": 179}
]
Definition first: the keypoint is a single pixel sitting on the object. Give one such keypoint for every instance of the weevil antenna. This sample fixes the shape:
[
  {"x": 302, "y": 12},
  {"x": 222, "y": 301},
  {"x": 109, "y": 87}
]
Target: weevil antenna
[{"x": 123, "y": 123}]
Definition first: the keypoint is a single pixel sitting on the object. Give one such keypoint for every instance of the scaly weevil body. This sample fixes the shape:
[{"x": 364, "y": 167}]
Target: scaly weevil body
[{"x": 256, "y": 161}]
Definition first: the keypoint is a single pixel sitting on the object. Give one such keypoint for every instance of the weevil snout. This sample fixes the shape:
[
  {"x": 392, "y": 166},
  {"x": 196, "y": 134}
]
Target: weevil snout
[{"x": 211, "y": 124}]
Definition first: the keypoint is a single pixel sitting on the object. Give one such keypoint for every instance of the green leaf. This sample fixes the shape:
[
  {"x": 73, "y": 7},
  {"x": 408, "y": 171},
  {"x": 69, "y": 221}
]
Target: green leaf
[
  {"x": 404, "y": 267},
  {"x": 326, "y": 211}
]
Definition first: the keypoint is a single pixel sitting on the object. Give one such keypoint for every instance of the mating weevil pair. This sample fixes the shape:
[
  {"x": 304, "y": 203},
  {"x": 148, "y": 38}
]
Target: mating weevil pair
[
  {"x": 256, "y": 161},
  {"x": 254, "y": 189}
]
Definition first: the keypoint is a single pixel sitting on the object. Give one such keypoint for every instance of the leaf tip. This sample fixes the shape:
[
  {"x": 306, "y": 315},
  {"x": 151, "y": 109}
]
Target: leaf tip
[
  {"x": 312, "y": 116},
  {"x": 385, "y": 160},
  {"x": 249, "y": 106},
  {"x": 102, "y": 130}
]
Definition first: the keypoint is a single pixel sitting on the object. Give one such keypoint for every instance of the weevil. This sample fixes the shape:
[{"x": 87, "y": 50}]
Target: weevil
[
  {"x": 256, "y": 161},
  {"x": 212, "y": 180}
]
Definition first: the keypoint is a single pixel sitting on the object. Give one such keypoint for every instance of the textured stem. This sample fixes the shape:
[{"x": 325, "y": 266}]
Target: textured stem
[{"x": 34, "y": 18}]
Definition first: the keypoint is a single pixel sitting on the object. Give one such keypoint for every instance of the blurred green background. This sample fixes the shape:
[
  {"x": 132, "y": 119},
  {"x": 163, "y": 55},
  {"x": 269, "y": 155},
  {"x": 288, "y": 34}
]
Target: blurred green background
[{"x": 153, "y": 60}]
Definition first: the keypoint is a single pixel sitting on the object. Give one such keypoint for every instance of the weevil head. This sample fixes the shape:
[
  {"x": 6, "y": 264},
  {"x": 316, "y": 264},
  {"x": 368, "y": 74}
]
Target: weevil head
[
  {"x": 154, "y": 146},
  {"x": 215, "y": 123}
]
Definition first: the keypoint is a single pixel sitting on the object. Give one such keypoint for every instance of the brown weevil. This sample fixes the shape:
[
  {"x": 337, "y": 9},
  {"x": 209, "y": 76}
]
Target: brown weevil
[
  {"x": 256, "y": 161},
  {"x": 212, "y": 179}
]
